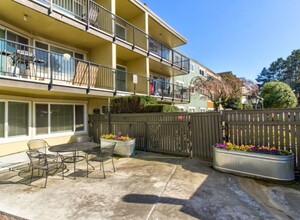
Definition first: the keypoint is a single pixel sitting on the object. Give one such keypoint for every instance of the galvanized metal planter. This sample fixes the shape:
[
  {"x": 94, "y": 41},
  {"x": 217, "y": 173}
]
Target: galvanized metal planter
[
  {"x": 254, "y": 164},
  {"x": 123, "y": 148}
]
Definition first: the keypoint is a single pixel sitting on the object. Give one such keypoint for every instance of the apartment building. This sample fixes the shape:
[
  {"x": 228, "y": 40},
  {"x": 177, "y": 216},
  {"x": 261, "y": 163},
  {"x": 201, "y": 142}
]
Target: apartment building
[
  {"x": 198, "y": 101},
  {"x": 61, "y": 59}
]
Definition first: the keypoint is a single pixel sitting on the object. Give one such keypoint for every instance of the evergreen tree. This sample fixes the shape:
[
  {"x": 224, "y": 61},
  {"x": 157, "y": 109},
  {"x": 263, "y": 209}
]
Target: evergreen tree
[{"x": 264, "y": 76}]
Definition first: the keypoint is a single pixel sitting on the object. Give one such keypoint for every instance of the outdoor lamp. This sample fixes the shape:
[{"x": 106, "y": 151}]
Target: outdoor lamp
[{"x": 66, "y": 56}]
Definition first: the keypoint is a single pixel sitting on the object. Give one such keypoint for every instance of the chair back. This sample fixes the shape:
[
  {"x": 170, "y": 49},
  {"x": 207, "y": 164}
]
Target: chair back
[
  {"x": 83, "y": 138},
  {"x": 93, "y": 14},
  {"x": 38, "y": 144},
  {"x": 36, "y": 158},
  {"x": 108, "y": 150}
]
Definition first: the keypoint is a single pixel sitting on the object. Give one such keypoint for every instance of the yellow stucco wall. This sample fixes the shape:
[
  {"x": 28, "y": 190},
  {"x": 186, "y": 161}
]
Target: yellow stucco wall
[
  {"x": 138, "y": 66},
  {"x": 102, "y": 54},
  {"x": 96, "y": 103}
]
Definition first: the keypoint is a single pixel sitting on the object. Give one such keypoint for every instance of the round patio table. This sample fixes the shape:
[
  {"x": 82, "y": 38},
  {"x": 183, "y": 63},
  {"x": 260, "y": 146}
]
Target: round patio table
[{"x": 75, "y": 148}]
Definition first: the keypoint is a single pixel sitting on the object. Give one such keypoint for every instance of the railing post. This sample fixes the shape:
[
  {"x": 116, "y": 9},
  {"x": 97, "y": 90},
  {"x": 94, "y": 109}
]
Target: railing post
[
  {"x": 133, "y": 38},
  {"x": 181, "y": 62},
  {"x": 181, "y": 93},
  {"x": 50, "y": 7},
  {"x": 114, "y": 82},
  {"x": 161, "y": 51},
  {"x": 89, "y": 79},
  {"x": 50, "y": 86},
  {"x": 88, "y": 15},
  {"x": 115, "y": 28},
  {"x": 148, "y": 44},
  {"x": 173, "y": 88}
]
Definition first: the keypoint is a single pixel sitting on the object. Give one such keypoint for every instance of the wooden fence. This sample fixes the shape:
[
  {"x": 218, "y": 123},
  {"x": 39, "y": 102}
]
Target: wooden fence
[
  {"x": 194, "y": 134},
  {"x": 165, "y": 133}
]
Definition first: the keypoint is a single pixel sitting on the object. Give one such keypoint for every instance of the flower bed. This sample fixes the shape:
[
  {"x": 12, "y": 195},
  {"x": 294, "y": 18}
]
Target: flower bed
[
  {"x": 125, "y": 145},
  {"x": 254, "y": 161}
]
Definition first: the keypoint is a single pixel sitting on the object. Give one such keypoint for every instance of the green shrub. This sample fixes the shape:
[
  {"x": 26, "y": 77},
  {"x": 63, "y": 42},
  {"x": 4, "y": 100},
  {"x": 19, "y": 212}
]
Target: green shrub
[
  {"x": 139, "y": 104},
  {"x": 160, "y": 108},
  {"x": 248, "y": 106}
]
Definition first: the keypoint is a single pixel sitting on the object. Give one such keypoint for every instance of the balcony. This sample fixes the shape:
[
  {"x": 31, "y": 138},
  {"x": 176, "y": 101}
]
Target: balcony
[
  {"x": 20, "y": 62},
  {"x": 99, "y": 18}
]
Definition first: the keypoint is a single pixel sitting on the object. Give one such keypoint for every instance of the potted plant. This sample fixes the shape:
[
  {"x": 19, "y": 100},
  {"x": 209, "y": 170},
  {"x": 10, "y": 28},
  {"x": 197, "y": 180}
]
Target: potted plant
[
  {"x": 258, "y": 161},
  {"x": 125, "y": 145}
]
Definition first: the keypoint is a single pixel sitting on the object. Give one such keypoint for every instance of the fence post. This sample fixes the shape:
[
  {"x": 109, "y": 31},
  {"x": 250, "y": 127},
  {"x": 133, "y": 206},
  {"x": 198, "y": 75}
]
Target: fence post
[
  {"x": 109, "y": 123},
  {"x": 146, "y": 137}
]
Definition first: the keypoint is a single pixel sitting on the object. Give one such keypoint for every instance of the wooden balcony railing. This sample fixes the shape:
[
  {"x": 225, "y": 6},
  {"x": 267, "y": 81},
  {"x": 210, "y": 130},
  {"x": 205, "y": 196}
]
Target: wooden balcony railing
[
  {"x": 35, "y": 64},
  {"x": 98, "y": 17}
]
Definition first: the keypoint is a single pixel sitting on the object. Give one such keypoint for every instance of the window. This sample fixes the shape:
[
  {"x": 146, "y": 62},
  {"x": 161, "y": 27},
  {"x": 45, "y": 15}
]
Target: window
[
  {"x": 14, "y": 119},
  {"x": 121, "y": 78},
  {"x": 62, "y": 68},
  {"x": 201, "y": 72},
  {"x": 62, "y": 118},
  {"x": 192, "y": 89},
  {"x": 2, "y": 117},
  {"x": 181, "y": 108},
  {"x": 192, "y": 109},
  {"x": 121, "y": 32},
  {"x": 192, "y": 68}
]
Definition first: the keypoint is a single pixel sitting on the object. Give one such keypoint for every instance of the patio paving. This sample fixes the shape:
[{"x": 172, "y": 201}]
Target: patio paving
[{"x": 148, "y": 186}]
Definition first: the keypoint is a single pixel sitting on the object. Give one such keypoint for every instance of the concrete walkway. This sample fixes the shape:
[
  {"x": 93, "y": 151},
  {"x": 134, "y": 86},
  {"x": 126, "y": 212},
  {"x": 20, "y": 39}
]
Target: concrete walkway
[{"x": 149, "y": 186}]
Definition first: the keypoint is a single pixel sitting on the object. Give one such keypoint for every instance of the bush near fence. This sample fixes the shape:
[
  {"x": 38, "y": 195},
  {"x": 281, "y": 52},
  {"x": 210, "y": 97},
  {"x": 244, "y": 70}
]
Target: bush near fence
[{"x": 139, "y": 104}]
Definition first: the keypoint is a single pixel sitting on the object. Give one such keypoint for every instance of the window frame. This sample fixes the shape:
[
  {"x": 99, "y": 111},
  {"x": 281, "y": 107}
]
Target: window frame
[
  {"x": 7, "y": 138},
  {"x": 58, "y": 134}
]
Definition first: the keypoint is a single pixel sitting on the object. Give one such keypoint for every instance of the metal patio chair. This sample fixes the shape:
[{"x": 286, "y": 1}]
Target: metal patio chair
[
  {"x": 101, "y": 154},
  {"x": 41, "y": 162},
  {"x": 42, "y": 147}
]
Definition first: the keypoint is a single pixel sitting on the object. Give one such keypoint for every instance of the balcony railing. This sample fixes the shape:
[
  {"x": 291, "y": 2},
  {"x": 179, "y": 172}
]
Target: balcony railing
[
  {"x": 96, "y": 16},
  {"x": 31, "y": 63},
  {"x": 165, "y": 89}
]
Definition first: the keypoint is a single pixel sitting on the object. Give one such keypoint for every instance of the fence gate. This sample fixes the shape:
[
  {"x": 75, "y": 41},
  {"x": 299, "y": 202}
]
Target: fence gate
[
  {"x": 164, "y": 133},
  {"x": 206, "y": 130}
]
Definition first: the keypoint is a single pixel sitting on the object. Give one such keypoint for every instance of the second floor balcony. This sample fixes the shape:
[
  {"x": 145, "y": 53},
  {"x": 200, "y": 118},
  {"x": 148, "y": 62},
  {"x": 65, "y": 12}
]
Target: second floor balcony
[
  {"x": 21, "y": 62},
  {"x": 97, "y": 17}
]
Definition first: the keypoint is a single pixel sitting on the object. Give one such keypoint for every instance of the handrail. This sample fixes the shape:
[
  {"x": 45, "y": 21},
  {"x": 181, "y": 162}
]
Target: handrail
[
  {"x": 97, "y": 16},
  {"x": 24, "y": 61}
]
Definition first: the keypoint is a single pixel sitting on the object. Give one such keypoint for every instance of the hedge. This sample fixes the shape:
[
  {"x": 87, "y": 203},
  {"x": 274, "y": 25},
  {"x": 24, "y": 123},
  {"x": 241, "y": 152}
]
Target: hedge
[{"x": 139, "y": 104}]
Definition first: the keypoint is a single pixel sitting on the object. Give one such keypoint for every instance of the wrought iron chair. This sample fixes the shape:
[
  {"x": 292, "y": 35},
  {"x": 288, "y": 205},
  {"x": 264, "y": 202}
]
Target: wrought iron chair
[
  {"x": 42, "y": 147},
  {"x": 101, "y": 154},
  {"x": 41, "y": 161}
]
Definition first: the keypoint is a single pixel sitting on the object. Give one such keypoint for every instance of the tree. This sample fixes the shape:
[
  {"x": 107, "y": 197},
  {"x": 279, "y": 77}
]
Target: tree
[
  {"x": 291, "y": 75},
  {"x": 222, "y": 91},
  {"x": 283, "y": 70},
  {"x": 213, "y": 88},
  {"x": 264, "y": 76},
  {"x": 278, "y": 95},
  {"x": 250, "y": 85}
]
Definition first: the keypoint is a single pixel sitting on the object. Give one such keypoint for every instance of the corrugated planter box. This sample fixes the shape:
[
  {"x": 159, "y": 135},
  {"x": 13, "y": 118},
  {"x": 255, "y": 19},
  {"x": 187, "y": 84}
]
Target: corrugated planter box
[
  {"x": 278, "y": 167},
  {"x": 123, "y": 148}
]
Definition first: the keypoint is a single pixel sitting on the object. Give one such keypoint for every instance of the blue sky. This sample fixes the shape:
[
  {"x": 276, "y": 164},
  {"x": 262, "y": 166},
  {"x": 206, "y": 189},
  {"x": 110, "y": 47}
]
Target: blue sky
[{"x": 238, "y": 35}]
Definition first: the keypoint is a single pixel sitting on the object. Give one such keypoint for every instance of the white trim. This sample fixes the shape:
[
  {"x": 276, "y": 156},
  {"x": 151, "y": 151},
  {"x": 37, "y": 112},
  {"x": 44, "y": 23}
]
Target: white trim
[
  {"x": 192, "y": 108},
  {"x": 7, "y": 138},
  {"x": 179, "y": 82},
  {"x": 14, "y": 32}
]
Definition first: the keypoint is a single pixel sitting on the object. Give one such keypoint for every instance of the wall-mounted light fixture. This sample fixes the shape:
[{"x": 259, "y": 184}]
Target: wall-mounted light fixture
[
  {"x": 66, "y": 56},
  {"x": 25, "y": 17}
]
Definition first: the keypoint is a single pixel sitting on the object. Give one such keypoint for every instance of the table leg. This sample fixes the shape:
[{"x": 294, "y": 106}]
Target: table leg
[{"x": 74, "y": 164}]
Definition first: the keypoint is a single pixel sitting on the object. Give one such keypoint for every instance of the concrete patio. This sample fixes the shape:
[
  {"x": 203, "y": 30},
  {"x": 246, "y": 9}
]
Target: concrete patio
[{"x": 148, "y": 186}]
